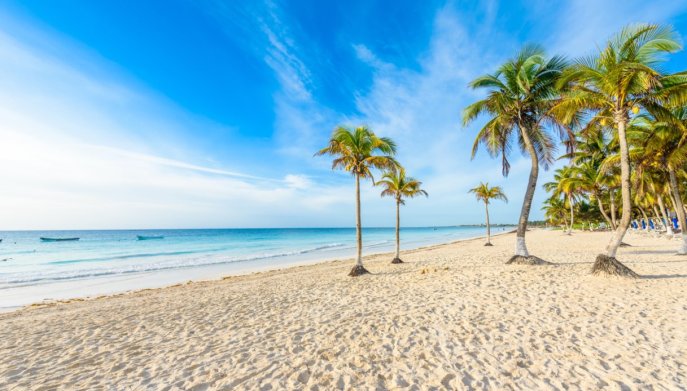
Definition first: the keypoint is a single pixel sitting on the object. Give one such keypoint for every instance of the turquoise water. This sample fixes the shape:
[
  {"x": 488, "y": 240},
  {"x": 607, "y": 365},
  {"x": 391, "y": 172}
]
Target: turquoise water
[{"x": 27, "y": 261}]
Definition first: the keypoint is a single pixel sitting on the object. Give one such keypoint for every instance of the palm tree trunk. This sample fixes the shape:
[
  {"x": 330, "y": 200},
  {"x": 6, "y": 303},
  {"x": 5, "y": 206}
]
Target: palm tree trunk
[
  {"x": 397, "y": 259},
  {"x": 666, "y": 218},
  {"x": 358, "y": 269},
  {"x": 572, "y": 214},
  {"x": 680, "y": 210},
  {"x": 613, "y": 219},
  {"x": 521, "y": 253},
  {"x": 607, "y": 263},
  {"x": 601, "y": 209},
  {"x": 486, "y": 208}
]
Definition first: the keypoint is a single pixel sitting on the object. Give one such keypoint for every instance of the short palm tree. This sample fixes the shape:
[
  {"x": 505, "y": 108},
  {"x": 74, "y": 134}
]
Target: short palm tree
[
  {"x": 566, "y": 182},
  {"x": 619, "y": 81},
  {"x": 591, "y": 149},
  {"x": 396, "y": 184},
  {"x": 519, "y": 96},
  {"x": 555, "y": 211},
  {"x": 485, "y": 194},
  {"x": 358, "y": 151}
]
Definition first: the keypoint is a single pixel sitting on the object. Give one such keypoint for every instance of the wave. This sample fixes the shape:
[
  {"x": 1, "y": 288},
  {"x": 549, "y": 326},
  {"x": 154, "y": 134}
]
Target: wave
[
  {"x": 129, "y": 256},
  {"x": 14, "y": 280}
]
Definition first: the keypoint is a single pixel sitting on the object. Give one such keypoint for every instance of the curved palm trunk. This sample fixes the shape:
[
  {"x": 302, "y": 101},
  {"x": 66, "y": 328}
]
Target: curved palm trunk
[
  {"x": 613, "y": 218},
  {"x": 602, "y": 210},
  {"x": 486, "y": 209},
  {"x": 572, "y": 214},
  {"x": 522, "y": 256},
  {"x": 397, "y": 259},
  {"x": 358, "y": 269},
  {"x": 680, "y": 210},
  {"x": 607, "y": 263},
  {"x": 666, "y": 220}
]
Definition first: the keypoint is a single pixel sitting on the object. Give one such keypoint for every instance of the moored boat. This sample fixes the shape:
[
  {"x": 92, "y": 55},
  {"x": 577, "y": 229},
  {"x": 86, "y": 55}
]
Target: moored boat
[
  {"x": 141, "y": 237},
  {"x": 58, "y": 239}
]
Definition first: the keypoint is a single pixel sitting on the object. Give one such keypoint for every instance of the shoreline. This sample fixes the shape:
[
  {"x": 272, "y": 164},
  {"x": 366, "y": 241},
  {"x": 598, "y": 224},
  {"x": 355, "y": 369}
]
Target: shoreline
[{"x": 207, "y": 275}]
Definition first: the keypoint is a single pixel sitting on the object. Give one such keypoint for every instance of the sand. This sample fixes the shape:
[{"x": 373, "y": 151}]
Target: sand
[{"x": 451, "y": 317}]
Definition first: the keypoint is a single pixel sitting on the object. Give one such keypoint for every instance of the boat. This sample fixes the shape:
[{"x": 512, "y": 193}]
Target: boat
[
  {"x": 141, "y": 237},
  {"x": 59, "y": 239}
]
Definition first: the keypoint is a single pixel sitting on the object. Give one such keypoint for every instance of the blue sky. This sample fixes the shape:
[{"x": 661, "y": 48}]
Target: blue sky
[{"x": 181, "y": 113}]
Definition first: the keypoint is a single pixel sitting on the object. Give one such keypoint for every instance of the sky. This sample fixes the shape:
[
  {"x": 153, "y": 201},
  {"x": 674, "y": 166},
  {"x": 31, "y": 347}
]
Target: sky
[{"x": 199, "y": 114}]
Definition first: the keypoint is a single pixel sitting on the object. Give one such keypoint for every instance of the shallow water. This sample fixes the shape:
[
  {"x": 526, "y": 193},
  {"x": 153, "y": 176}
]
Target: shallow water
[{"x": 32, "y": 270}]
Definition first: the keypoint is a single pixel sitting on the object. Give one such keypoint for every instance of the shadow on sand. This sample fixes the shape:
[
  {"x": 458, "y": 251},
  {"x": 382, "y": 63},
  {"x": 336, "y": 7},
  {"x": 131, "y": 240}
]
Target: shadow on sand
[
  {"x": 645, "y": 252},
  {"x": 663, "y": 276}
]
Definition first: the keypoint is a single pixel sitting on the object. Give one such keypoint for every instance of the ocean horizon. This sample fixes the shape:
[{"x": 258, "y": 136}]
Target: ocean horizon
[{"x": 112, "y": 261}]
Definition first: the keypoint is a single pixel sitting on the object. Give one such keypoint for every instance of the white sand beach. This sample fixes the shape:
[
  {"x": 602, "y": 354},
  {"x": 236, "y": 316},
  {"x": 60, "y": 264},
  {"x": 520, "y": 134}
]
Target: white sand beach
[{"x": 451, "y": 317}]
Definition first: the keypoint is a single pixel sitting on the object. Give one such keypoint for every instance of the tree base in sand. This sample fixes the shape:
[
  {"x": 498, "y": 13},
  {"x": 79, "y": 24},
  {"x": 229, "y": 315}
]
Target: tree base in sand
[
  {"x": 358, "y": 270},
  {"x": 530, "y": 260},
  {"x": 397, "y": 260},
  {"x": 623, "y": 244},
  {"x": 488, "y": 244},
  {"x": 608, "y": 266}
]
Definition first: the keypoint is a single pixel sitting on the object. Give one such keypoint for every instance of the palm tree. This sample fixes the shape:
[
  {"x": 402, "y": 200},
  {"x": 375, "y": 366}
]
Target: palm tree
[
  {"x": 485, "y": 193},
  {"x": 661, "y": 149},
  {"x": 396, "y": 184},
  {"x": 591, "y": 149},
  {"x": 620, "y": 80},
  {"x": 565, "y": 183},
  {"x": 555, "y": 211},
  {"x": 358, "y": 151},
  {"x": 520, "y": 94}
]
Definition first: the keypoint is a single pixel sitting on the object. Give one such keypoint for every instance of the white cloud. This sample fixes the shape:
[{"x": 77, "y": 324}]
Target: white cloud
[
  {"x": 583, "y": 26},
  {"x": 87, "y": 148}
]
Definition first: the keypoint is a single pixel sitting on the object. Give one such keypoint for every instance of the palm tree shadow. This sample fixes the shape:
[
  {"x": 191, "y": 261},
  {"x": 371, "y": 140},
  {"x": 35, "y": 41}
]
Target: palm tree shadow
[
  {"x": 393, "y": 272},
  {"x": 656, "y": 262},
  {"x": 646, "y": 252},
  {"x": 663, "y": 276}
]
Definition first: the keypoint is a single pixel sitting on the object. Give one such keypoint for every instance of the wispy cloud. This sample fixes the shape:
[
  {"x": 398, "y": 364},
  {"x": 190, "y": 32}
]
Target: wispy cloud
[
  {"x": 582, "y": 27},
  {"x": 87, "y": 146},
  {"x": 93, "y": 149}
]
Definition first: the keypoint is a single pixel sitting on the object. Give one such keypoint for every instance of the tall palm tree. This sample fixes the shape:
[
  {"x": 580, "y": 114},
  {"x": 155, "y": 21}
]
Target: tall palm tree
[
  {"x": 396, "y": 184},
  {"x": 519, "y": 96},
  {"x": 485, "y": 194},
  {"x": 619, "y": 81},
  {"x": 358, "y": 151}
]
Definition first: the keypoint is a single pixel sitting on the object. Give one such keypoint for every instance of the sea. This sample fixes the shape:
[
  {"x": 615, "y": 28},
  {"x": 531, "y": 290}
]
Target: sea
[{"x": 114, "y": 261}]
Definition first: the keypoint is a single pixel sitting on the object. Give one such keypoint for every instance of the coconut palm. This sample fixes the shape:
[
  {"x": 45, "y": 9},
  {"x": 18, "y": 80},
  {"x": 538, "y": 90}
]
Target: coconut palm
[
  {"x": 608, "y": 87},
  {"x": 485, "y": 194},
  {"x": 555, "y": 211},
  {"x": 519, "y": 96},
  {"x": 591, "y": 149},
  {"x": 396, "y": 184},
  {"x": 359, "y": 151},
  {"x": 661, "y": 151},
  {"x": 565, "y": 183}
]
